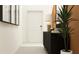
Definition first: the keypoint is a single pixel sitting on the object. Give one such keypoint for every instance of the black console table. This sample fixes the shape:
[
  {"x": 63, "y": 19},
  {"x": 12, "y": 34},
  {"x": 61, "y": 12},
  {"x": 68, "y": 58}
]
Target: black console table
[{"x": 53, "y": 42}]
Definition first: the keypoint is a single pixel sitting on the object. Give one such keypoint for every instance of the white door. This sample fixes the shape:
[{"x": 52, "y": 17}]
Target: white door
[{"x": 35, "y": 34}]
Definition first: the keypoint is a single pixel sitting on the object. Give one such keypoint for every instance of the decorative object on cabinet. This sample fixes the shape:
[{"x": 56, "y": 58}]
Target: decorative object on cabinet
[{"x": 64, "y": 15}]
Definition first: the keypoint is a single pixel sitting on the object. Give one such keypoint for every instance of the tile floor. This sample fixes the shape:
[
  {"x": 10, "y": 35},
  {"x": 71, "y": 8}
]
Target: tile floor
[{"x": 31, "y": 50}]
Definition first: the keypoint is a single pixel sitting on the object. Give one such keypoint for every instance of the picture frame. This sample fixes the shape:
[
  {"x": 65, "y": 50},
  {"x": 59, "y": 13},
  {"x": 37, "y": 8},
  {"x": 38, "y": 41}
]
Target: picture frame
[
  {"x": 6, "y": 13},
  {"x": 9, "y": 14}
]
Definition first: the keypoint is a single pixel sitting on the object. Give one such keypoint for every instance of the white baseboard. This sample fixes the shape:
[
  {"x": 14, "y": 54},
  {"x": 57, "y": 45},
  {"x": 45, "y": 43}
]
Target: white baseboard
[{"x": 32, "y": 44}]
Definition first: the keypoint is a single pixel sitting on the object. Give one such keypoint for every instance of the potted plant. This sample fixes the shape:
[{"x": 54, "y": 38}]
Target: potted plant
[{"x": 64, "y": 15}]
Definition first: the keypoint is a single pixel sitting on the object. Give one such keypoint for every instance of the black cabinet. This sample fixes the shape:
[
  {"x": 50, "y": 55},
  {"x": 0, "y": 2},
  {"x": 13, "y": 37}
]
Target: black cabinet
[{"x": 53, "y": 42}]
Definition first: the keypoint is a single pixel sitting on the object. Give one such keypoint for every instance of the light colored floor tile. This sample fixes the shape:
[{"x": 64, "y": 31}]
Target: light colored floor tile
[{"x": 31, "y": 50}]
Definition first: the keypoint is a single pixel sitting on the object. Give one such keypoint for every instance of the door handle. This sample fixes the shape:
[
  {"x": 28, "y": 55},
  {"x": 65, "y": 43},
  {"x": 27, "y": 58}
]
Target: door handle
[{"x": 40, "y": 25}]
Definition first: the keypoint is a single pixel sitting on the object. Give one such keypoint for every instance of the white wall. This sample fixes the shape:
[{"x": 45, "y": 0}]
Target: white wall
[
  {"x": 10, "y": 37},
  {"x": 47, "y": 11}
]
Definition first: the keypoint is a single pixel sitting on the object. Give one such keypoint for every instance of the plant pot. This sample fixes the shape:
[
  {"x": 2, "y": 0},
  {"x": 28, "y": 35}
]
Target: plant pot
[{"x": 65, "y": 52}]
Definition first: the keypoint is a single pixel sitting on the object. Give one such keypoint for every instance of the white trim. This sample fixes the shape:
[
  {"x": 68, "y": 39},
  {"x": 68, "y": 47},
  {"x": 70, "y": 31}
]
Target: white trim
[{"x": 32, "y": 44}]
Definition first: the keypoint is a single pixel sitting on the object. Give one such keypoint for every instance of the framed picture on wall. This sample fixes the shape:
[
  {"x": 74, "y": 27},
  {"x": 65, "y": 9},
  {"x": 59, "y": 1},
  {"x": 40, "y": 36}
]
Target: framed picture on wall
[
  {"x": 17, "y": 14},
  {"x": 9, "y": 14},
  {"x": 0, "y": 12},
  {"x": 6, "y": 13},
  {"x": 12, "y": 18}
]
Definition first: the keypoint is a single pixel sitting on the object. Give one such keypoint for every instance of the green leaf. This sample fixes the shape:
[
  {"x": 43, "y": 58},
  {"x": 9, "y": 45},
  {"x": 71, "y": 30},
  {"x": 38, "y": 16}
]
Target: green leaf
[{"x": 64, "y": 16}]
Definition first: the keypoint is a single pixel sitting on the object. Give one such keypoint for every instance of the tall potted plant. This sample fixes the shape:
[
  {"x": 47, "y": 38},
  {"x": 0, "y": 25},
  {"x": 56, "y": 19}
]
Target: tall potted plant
[{"x": 64, "y": 16}]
